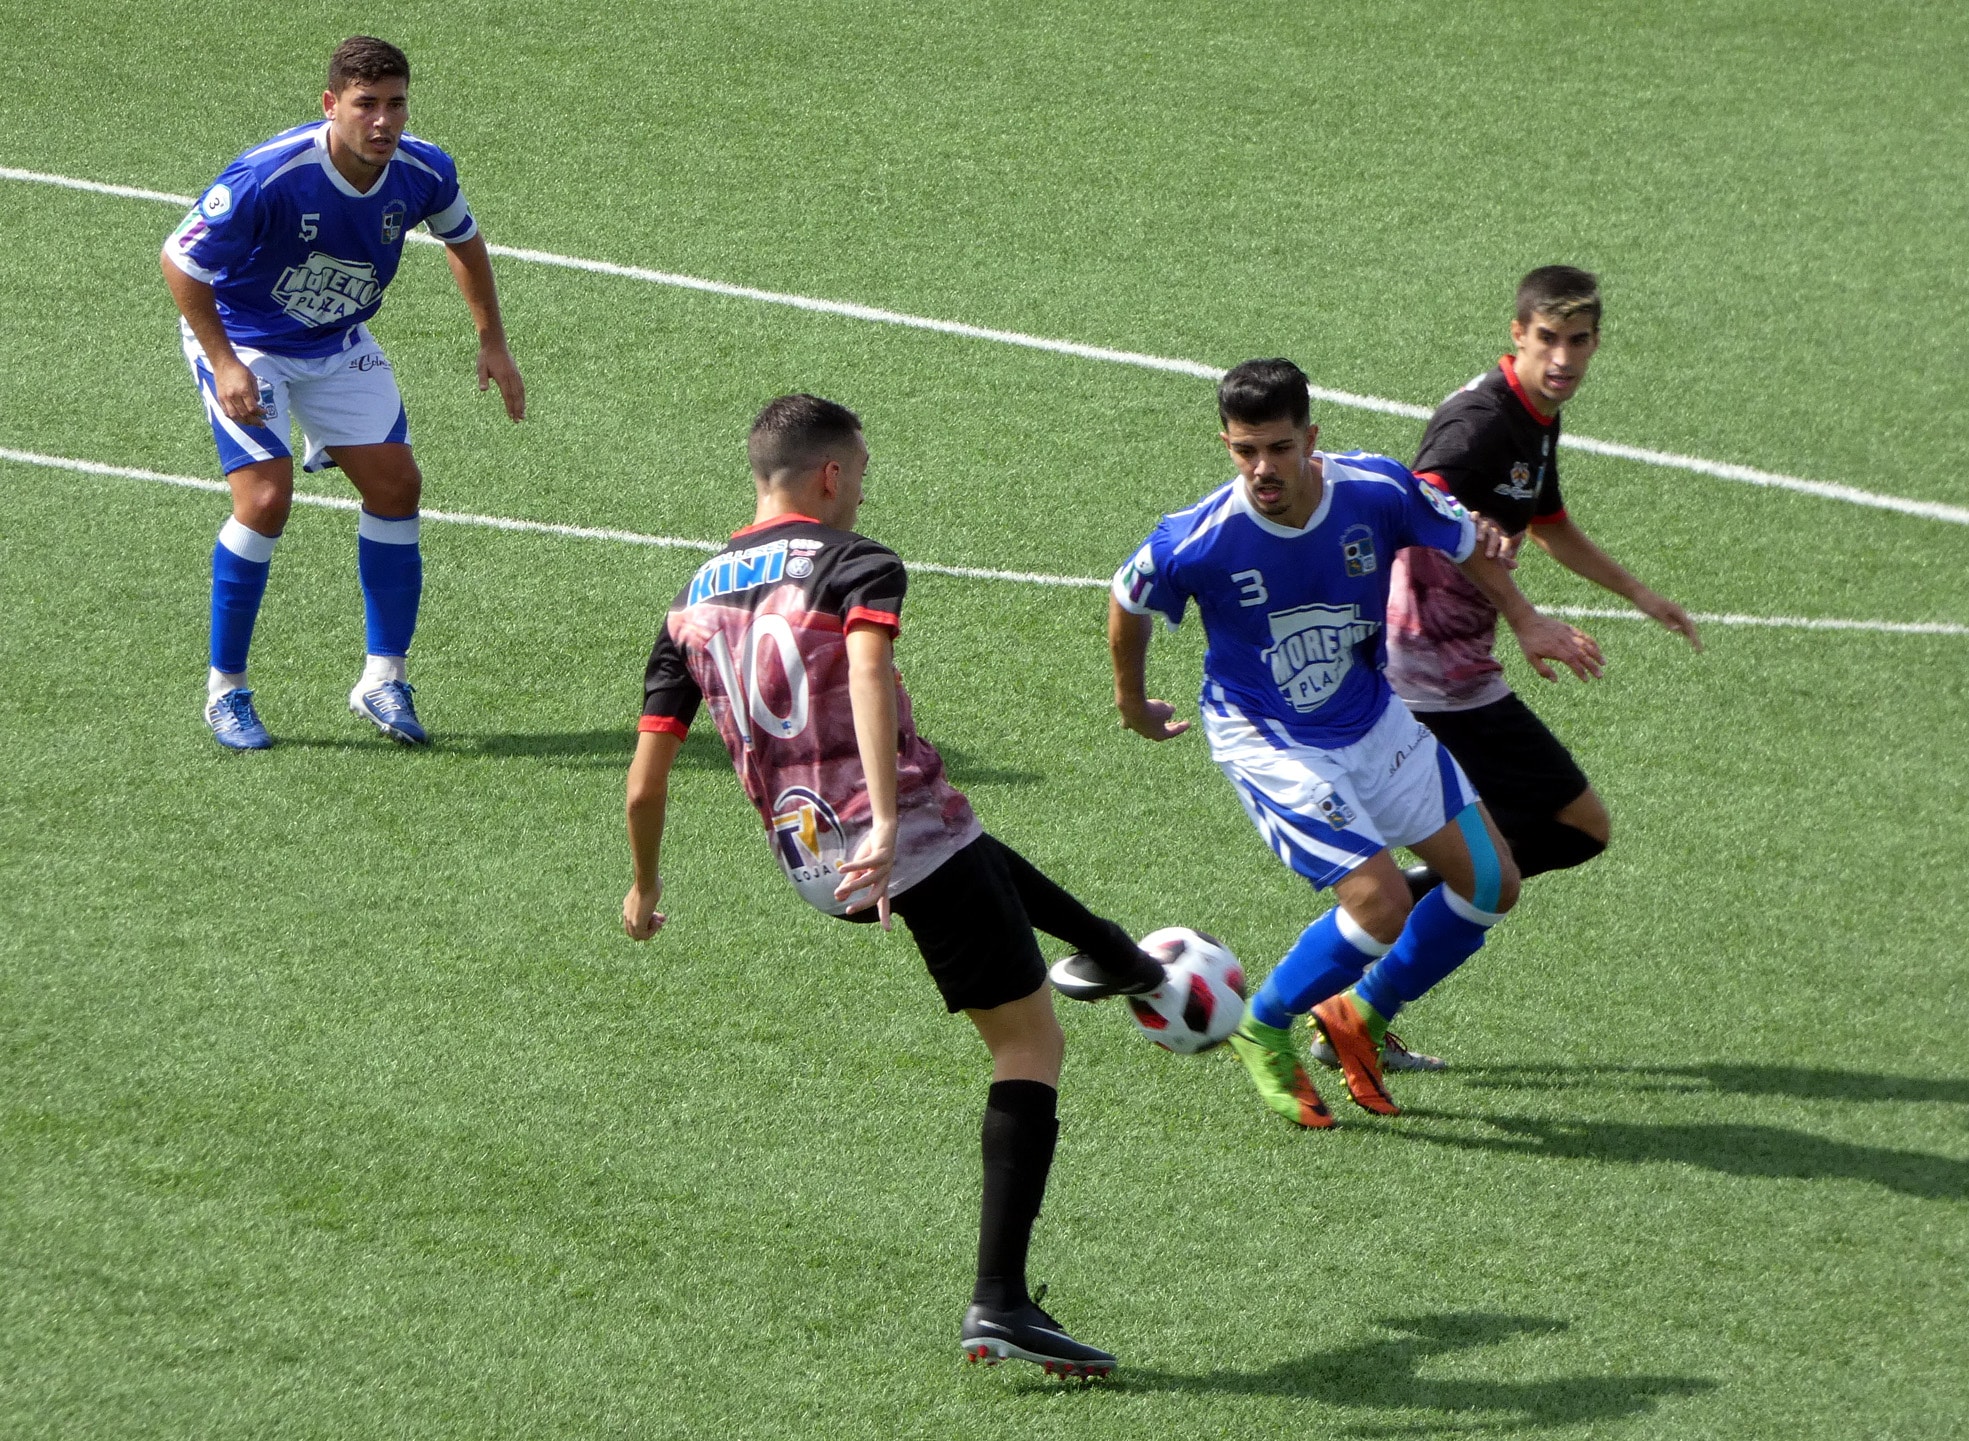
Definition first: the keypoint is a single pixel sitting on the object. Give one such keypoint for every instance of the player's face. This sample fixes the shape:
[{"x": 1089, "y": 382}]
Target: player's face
[
  {"x": 1276, "y": 461},
  {"x": 1553, "y": 355},
  {"x": 846, "y": 501},
  {"x": 366, "y": 120}
]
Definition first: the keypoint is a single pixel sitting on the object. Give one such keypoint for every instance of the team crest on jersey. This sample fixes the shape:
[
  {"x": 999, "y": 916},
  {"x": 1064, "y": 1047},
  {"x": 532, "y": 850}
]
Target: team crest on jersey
[
  {"x": 1312, "y": 650},
  {"x": 393, "y": 214},
  {"x": 1357, "y": 548},
  {"x": 1520, "y": 486},
  {"x": 326, "y": 290},
  {"x": 808, "y": 835},
  {"x": 739, "y": 570}
]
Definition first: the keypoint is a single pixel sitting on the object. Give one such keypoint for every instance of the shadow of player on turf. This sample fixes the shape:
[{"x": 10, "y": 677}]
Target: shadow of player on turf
[
  {"x": 1384, "y": 1373},
  {"x": 1805, "y": 1083},
  {"x": 1769, "y": 1152}
]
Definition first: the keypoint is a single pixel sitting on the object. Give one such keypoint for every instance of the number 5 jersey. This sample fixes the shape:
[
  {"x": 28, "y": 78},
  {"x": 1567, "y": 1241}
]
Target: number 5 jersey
[{"x": 760, "y": 635}]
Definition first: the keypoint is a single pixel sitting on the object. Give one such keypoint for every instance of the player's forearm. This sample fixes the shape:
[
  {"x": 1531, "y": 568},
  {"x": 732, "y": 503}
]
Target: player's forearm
[
  {"x": 648, "y": 799},
  {"x": 1128, "y": 649},
  {"x": 199, "y": 305},
  {"x": 1490, "y": 577},
  {"x": 872, "y": 697},
  {"x": 1574, "y": 549},
  {"x": 471, "y": 267}
]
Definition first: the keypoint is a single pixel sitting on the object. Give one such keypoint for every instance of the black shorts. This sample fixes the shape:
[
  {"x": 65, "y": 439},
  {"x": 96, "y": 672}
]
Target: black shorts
[
  {"x": 1520, "y": 769},
  {"x": 968, "y": 921}
]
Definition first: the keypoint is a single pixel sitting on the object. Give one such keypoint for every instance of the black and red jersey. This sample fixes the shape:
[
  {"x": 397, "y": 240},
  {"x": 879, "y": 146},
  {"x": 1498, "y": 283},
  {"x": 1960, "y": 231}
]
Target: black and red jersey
[
  {"x": 1488, "y": 446},
  {"x": 760, "y": 634},
  {"x": 1491, "y": 449}
]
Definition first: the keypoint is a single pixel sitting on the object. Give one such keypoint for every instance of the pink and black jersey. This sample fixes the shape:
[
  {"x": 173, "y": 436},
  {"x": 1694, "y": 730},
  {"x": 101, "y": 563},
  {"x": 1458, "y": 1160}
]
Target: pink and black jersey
[
  {"x": 760, "y": 633},
  {"x": 1491, "y": 449}
]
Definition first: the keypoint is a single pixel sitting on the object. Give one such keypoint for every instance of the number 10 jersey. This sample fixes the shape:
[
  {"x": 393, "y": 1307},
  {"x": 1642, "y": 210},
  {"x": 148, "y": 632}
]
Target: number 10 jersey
[{"x": 760, "y": 635}]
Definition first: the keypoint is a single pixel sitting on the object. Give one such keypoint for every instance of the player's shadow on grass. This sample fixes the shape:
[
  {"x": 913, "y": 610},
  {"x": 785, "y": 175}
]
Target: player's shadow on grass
[
  {"x": 1807, "y": 1083},
  {"x": 1383, "y": 1373},
  {"x": 1769, "y": 1152}
]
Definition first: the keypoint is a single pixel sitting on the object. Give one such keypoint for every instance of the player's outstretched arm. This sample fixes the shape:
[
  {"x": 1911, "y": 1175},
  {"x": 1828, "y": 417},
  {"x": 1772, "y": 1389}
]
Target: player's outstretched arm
[
  {"x": 238, "y": 387},
  {"x": 872, "y": 698},
  {"x": 1541, "y": 637},
  {"x": 1128, "y": 648},
  {"x": 649, "y": 793},
  {"x": 1574, "y": 549},
  {"x": 471, "y": 267}
]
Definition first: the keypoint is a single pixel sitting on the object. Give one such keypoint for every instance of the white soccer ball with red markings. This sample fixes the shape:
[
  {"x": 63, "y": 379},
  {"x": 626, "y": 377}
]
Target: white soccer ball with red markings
[{"x": 1202, "y": 1001}]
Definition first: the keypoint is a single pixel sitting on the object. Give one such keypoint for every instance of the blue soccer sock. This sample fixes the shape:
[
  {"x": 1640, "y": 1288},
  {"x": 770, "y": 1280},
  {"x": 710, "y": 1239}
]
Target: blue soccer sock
[
  {"x": 391, "y": 567},
  {"x": 1443, "y": 932},
  {"x": 1327, "y": 958},
  {"x": 240, "y": 562}
]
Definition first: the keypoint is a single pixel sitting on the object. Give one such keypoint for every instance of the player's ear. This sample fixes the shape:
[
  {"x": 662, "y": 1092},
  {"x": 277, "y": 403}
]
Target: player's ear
[
  {"x": 328, "y": 104},
  {"x": 830, "y": 479},
  {"x": 1518, "y": 333},
  {"x": 1312, "y": 438}
]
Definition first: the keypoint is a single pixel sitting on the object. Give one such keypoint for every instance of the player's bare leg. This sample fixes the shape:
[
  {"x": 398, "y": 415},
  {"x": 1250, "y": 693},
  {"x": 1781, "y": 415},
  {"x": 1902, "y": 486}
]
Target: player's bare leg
[
  {"x": 1588, "y": 813},
  {"x": 262, "y": 496},
  {"x": 1020, "y": 1129},
  {"x": 391, "y": 566}
]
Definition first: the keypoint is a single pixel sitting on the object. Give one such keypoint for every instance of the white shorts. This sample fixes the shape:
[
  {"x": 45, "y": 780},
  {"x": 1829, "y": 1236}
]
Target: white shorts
[
  {"x": 1326, "y": 812},
  {"x": 349, "y": 398}
]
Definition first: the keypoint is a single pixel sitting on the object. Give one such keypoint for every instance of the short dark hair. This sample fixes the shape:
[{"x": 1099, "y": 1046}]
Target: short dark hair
[
  {"x": 799, "y": 432},
  {"x": 1261, "y": 391},
  {"x": 1560, "y": 291},
  {"x": 362, "y": 58}
]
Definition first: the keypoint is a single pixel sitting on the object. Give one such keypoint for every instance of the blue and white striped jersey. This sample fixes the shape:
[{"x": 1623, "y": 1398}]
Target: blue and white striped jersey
[
  {"x": 297, "y": 255},
  {"x": 1293, "y": 619}
]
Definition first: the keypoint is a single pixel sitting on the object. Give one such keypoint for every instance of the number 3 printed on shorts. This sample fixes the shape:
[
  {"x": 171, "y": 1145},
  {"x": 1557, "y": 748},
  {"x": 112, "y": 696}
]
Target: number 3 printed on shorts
[{"x": 740, "y": 675}]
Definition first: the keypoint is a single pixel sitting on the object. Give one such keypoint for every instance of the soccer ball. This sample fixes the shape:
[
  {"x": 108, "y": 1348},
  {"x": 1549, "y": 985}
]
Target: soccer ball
[{"x": 1202, "y": 1001}]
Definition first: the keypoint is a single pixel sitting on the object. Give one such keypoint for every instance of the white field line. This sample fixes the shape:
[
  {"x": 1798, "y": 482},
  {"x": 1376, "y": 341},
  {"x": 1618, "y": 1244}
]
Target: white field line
[
  {"x": 1720, "y": 470},
  {"x": 1077, "y": 582}
]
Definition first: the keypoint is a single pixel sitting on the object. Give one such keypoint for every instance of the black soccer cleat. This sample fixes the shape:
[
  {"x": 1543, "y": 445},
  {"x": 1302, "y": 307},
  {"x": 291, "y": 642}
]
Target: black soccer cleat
[
  {"x": 1026, "y": 1333},
  {"x": 1082, "y": 978}
]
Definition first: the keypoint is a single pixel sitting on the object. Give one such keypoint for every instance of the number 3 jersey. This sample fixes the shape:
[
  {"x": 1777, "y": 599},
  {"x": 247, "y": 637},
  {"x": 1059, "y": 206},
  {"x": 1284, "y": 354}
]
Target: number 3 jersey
[
  {"x": 760, "y": 635},
  {"x": 1293, "y": 619}
]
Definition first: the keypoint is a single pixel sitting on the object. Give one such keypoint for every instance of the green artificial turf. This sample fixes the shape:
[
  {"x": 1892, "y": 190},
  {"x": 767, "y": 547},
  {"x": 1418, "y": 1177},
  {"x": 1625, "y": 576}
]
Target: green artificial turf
[{"x": 336, "y": 1105}]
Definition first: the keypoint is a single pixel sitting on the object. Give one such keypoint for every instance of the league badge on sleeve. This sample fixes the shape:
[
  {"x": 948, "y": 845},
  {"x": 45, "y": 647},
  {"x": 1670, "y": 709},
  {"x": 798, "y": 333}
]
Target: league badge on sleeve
[{"x": 1445, "y": 505}]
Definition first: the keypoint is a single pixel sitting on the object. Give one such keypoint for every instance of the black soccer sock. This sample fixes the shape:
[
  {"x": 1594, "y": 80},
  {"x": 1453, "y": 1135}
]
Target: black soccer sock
[
  {"x": 1020, "y": 1128},
  {"x": 1052, "y": 908},
  {"x": 1547, "y": 845}
]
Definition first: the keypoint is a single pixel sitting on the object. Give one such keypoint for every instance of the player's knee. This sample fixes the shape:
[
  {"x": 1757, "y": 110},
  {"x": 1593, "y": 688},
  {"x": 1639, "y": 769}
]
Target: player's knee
[
  {"x": 1589, "y": 815},
  {"x": 1381, "y": 912},
  {"x": 1508, "y": 881}
]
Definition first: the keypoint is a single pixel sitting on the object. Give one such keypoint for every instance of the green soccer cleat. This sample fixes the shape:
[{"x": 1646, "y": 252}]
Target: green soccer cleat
[{"x": 1272, "y": 1059}]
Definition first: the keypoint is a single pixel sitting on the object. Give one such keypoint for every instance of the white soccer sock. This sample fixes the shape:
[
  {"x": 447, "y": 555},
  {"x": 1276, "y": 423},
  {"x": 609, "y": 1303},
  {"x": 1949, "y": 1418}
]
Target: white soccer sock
[
  {"x": 377, "y": 669},
  {"x": 218, "y": 682}
]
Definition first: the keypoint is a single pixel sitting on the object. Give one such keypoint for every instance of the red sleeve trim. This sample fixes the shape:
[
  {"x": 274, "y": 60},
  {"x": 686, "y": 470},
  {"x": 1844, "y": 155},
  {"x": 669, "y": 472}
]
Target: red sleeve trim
[
  {"x": 862, "y": 615},
  {"x": 667, "y": 725},
  {"x": 1553, "y": 519},
  {"x": 1436, "y": 480}
]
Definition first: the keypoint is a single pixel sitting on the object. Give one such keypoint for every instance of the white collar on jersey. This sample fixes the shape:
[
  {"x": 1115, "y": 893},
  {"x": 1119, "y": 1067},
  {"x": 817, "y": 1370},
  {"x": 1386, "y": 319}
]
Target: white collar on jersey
[
  {"x": 1242, "y": 500},
  {"x": 337, "y": 178}
]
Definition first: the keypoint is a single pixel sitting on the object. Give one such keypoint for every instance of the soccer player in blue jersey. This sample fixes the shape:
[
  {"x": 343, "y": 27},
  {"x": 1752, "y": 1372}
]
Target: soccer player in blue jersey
[
  {"x": 1288, "y": 565},
  {"x": 275, "y": 272}
]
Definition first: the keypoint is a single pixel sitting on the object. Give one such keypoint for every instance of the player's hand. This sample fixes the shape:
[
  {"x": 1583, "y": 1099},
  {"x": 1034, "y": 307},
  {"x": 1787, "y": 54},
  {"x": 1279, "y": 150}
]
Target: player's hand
[
  {"x": 1494, "y": 541},
  {"x": 239, "y": 392},
  {"x": 868, "y": 873},
  {"x": 640, "y": 917},
  {"x": 1544, "y": 638},
  {"x": 496, "y": 367},
  {"x": 1152, "y": 720},
  {"x": 1669, "y": 616}
]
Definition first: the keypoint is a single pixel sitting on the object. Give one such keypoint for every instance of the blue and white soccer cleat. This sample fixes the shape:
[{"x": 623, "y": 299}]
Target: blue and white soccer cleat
[
  {"x": 387, "y": 705},
  {"x": 235, "y": 724}
]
